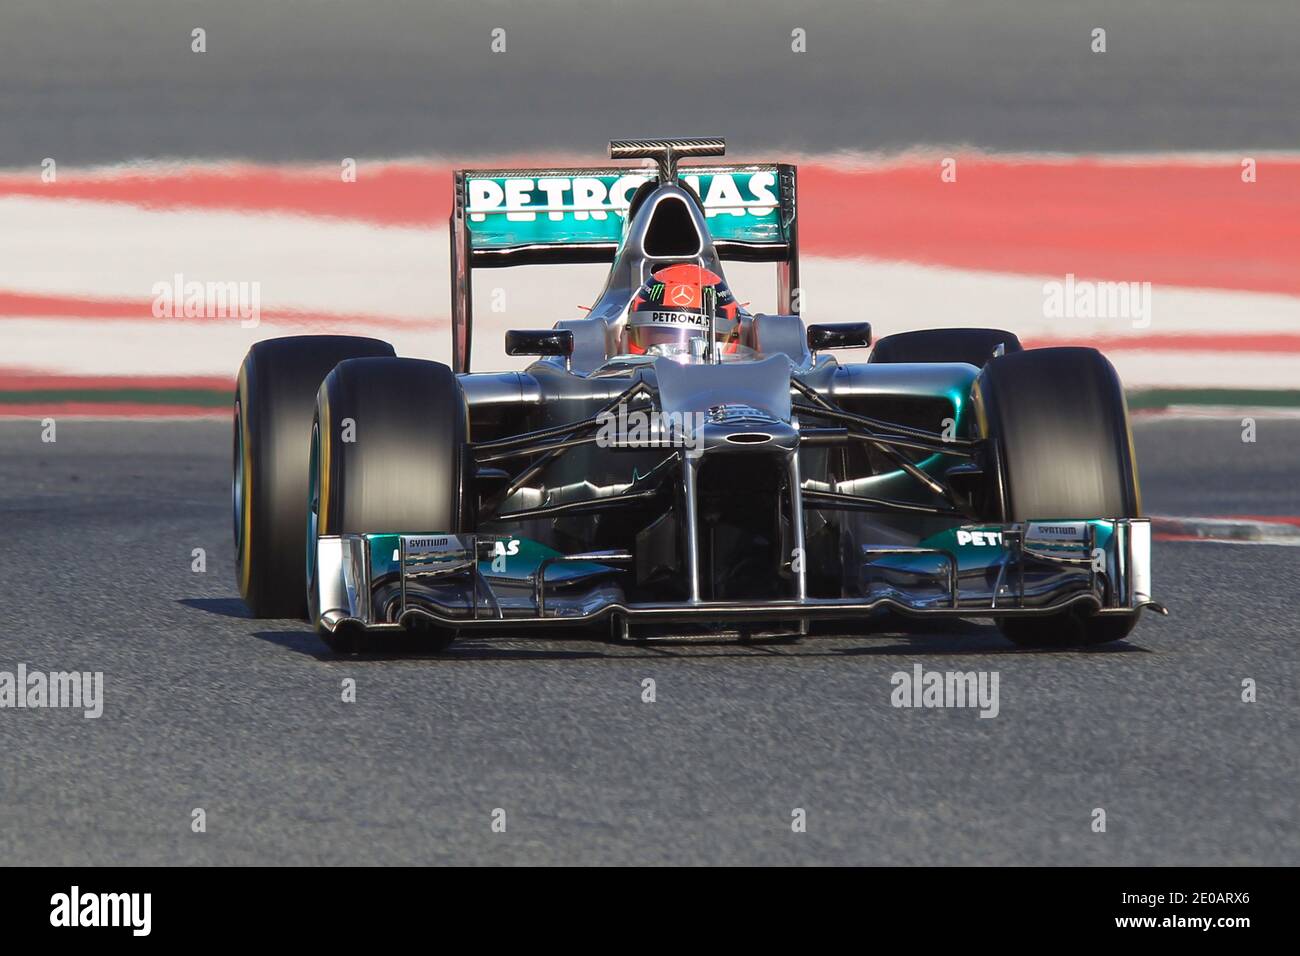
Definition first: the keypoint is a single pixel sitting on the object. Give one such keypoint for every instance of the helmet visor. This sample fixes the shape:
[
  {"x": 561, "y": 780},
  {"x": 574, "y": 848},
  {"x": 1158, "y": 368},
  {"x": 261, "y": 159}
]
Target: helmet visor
[{"x": 665, "y": 339}]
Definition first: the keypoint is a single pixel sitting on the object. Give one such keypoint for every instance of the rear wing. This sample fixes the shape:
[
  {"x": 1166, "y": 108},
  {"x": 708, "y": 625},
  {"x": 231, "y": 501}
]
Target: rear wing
[{"x": 513, "y": 217}]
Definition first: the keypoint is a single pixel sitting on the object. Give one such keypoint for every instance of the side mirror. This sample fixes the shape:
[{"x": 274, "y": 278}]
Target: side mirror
[
  {"x": 539, "y": 342},
  {"x": 841, "y": 335}
]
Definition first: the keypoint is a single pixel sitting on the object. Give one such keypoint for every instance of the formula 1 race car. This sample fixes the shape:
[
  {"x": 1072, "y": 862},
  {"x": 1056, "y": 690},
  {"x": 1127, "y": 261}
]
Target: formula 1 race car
[{"x": 672, "y": 465}]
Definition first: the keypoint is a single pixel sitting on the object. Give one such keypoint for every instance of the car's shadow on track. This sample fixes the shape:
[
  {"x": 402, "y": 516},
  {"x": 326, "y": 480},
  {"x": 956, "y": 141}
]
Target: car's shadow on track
[
  {"x": 886, "y": 638},
  {"x": 224, "y": 607},
  {"x": 939, "y": 639},
  {"x": 386, "y": 648}
]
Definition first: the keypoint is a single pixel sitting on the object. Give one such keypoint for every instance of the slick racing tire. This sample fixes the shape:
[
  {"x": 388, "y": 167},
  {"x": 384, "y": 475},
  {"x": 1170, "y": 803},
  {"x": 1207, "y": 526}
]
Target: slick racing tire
[
  {"x": 1058, "y": 421},
  {"x": 274, "y": 402},
  {"x": 389, "y": 451},
  {"x": 972, "y": 346}
]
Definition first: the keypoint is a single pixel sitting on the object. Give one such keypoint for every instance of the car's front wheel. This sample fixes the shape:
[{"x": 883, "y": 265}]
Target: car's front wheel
[
  {"x": 1059, "y": 422},
  {"x": 389, "y": 455}
]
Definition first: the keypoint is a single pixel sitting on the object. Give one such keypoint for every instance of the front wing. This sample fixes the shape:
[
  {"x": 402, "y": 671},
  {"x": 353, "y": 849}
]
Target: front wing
[{"x": 471, "y": 581}]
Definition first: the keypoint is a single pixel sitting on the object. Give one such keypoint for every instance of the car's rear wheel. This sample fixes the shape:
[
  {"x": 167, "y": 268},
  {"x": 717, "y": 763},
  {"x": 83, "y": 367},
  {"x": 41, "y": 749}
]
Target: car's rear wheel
[
  {"x": 972, "y": 346},
  {"x": 274, "y": 402},
  {"x": 390, "y": 455},
  {"x": 1059, "y": 422}
]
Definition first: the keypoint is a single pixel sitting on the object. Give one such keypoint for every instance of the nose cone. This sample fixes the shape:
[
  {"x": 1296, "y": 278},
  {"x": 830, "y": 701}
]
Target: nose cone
[{"x": 742, "y": 428}]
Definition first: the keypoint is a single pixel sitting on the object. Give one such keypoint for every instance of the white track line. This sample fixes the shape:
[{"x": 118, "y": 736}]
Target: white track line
[{"x": 1228, "y": 530}]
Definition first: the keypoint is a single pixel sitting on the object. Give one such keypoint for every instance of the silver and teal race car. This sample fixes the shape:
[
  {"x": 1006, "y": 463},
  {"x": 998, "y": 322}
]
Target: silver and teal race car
[{"x": 672, "y": 465}]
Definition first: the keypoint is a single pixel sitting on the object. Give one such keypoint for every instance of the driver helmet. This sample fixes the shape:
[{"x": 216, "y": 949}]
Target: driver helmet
[{"x": 669, "y": 315}]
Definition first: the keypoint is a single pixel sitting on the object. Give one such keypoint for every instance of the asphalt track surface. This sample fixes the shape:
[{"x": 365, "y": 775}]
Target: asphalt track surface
[
  {"x": 89, "y": 82},
  {"x": 207, "y": 708}
]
